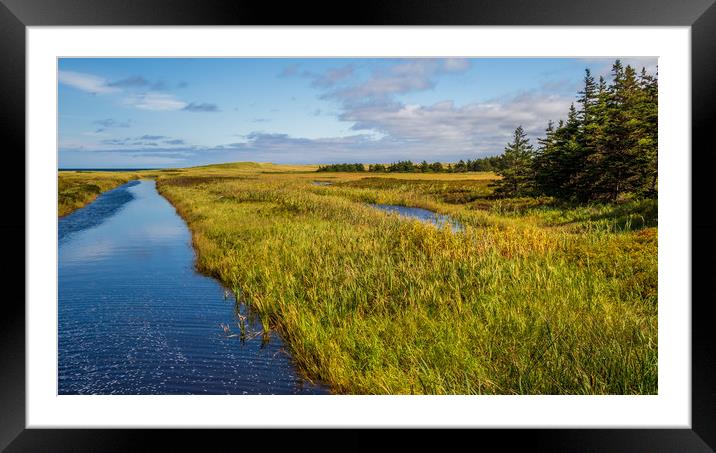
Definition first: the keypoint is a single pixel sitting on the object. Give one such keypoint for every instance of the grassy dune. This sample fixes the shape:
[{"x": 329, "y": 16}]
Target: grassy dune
[{"x": 531, "y": 298}]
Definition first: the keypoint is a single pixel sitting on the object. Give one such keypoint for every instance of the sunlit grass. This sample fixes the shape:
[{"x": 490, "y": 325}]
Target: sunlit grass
[{"x": 531, "y": 298}]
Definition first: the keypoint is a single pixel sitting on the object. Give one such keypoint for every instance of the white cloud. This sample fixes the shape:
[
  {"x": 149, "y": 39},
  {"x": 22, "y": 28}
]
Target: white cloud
[
  {"x": 86, "y": 82},
  {"x": 484, "y": 126},
  {"x": 403, "y": 77},
  {"x": 155, "y": 101},
  {"x": 456, "y": 64},
  {"x": 442, "y": 130},
  {"x": 330, "y": 77},
  {"x": 97, "y": 133},
  {"x": 151, "y": 100}
]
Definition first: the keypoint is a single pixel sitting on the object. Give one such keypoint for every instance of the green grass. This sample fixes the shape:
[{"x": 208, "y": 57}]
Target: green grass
[
  {"x": 532, "y": 298},
  {"x": 452, "y": 191}
]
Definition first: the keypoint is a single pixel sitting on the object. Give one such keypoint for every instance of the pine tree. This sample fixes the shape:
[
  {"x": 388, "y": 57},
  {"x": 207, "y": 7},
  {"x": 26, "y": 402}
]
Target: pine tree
[
  {"x": 619, "y": 169},
  {"x": 517, "y": 174},
  {"x": 546, "y": 177},
  {"x": 582, "y": 181},
  {"x": 647, "y": 145},
  {"x": 588, "y": 98},
  {"x": 609, "y": 146},
  {"x": 560, "y": 158},
  {"x": 571, "y": 154},
  {"x": 596, "y": 143}
]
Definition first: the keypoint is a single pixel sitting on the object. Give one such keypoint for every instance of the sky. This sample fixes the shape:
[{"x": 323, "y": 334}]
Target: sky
[{"x": 169, "y": 112}]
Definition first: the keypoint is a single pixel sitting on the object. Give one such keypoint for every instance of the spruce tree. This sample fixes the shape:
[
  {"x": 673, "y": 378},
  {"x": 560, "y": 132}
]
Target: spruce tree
[
  {"x": 544, "y": 163},
  {"x": 609, "y": 146},
  {"x": 517, "y": 174},
  {"x": 559, "y": 158},
  {"x": 647, "y": 145},
  {"x": 593, "y": 141},
  {"x": 619, "y": 170},
  {"x": 582, "y": 180}
]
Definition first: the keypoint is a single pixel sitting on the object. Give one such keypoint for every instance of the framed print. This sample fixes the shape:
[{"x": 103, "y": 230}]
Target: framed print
[{"x": 427, "y": 217}]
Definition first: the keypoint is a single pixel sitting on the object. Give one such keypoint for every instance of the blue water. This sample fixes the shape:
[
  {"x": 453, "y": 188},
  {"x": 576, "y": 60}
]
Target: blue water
[
  {"x": 423, "y": 215},
  {"x": 136, "y": 318},
  {"x": 102, "y": 208}
]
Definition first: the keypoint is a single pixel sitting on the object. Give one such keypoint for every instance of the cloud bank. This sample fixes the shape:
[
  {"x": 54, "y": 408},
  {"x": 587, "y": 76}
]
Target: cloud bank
[{"x": 136, "y": 91}]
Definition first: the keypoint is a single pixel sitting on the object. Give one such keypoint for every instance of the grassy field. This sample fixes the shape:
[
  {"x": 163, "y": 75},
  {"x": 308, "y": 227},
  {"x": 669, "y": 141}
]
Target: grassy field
[
  {"x": 77, "y": 188},
  {"x": 531, "y": 298}
]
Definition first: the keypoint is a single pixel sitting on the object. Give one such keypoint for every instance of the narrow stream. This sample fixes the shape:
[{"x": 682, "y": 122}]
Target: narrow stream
[
  {"x": 421, "y": 214},
  {"x": 134, "y": 317}
]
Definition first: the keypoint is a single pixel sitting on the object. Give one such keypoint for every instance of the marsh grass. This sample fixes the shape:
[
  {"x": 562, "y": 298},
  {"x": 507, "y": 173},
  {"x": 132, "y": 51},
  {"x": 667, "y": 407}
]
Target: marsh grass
[
  {"x": 537, "y": 299},
  {"x": 75, "y": 189}
]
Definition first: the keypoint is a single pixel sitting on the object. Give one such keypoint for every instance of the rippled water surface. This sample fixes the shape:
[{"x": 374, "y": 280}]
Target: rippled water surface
[
  {"x": 135, "y": 318},
  {"x": 423, "y": 215}
]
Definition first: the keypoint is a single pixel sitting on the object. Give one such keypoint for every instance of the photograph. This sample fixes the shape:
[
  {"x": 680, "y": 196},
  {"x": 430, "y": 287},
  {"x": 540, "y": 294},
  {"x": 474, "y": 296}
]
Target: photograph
[
  {"x": 488, "y": 218},
  {"x": 357, "y": 225}
]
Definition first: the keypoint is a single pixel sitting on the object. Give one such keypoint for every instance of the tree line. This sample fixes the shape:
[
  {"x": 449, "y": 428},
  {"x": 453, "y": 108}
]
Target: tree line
[
  {"x": 493, "y": 163},
  {"x": 607, "y": 146},
  {"x": 342, "y": 167}
]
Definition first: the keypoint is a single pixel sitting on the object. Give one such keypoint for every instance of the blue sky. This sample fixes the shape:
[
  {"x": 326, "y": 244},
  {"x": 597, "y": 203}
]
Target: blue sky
[{"x": 167, "y": 112}]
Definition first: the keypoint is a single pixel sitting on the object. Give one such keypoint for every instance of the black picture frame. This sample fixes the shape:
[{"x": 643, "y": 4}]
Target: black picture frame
[{"x": 16, "y": 15}]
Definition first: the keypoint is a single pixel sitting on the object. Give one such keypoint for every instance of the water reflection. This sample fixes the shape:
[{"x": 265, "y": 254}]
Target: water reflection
[
  {"x": 423, "y": 215},
  {"x": 105, "y": 206}
]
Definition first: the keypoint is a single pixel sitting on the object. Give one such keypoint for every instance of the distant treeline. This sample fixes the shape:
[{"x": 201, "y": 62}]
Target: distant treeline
[
  {"x": 607, "y": 147},
  {"x": 342, "y": 167},
  {"x": 406, "y": 166}
]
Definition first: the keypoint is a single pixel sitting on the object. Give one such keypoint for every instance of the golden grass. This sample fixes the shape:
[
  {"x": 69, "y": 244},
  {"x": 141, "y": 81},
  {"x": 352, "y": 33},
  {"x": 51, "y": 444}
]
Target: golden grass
[{"x": 529, "y": 298}]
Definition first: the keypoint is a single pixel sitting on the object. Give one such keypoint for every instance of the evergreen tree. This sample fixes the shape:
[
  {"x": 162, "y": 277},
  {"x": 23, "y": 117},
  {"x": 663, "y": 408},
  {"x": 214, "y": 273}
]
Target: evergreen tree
[
  {"x": 547, "y": 179},
  {"x": 606, "y": 148},
  {"x": 647, "y": 145},
  {"x": 559, "y": 158},
  {"x": 588, "y": 98},
  {"x": 582, "y": 181},
  {"x": 599, "y": 141},
  {"x": 517, "y": 174},
  {"x": 620, "y": 170}
]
